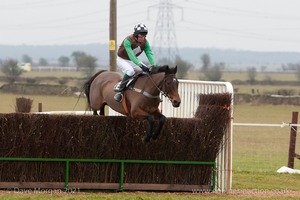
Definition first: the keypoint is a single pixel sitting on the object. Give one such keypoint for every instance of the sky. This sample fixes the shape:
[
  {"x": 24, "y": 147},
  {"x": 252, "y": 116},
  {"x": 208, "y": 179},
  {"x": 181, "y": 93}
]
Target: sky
[{"x": 256, "y": 25}]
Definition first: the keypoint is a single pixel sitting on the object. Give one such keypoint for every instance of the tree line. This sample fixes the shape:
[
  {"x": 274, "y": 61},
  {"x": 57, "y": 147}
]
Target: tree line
[
  {"x": 208, "y": 71},
  {"x": 82, "y": 61}
]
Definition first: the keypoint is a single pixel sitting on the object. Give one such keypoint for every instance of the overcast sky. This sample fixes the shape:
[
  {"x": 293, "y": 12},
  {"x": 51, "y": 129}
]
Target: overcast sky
[{"x": 260, "y": 25}]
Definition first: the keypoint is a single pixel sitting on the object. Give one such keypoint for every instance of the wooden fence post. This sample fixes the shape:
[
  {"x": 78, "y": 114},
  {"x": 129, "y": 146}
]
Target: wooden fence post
[
  {"x": 40, "y": 107},
  {"x": 292, "y": 146}
]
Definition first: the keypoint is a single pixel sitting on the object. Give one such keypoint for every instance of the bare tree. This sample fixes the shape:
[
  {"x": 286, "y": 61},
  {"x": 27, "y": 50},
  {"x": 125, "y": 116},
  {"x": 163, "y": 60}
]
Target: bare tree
[
  {"x": 298, "y": 72},
  {"x": 64, "y": 60},
  {"x": 183, "y": 67},
  {"x": 26, "y": 59},
  {"x": 213, "y": 73},
  {"x": 43, "y": 62},
  {"x": 78, "y": 57},
  {"x": 251, "y": 74},
  {"x": 206, "y": 61},
  {"x": 84, "y": 61},
  {"x": 89, "y": 64}
]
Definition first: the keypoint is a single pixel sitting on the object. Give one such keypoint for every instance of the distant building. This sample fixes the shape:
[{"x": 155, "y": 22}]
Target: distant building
[{"x": 25, "y": 66}]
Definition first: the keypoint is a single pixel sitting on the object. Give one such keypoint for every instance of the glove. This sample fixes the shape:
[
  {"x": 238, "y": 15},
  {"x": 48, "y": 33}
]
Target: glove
[
  {"x": 144, "y": 68},
  {"x": 151, "y": 67}
]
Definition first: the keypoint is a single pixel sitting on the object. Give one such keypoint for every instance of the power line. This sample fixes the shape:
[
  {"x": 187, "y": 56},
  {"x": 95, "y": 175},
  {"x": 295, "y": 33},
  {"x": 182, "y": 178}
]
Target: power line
[
  {"x": 37, "y": 4},
  {"x": 241, "y": 33},
  {"x": 231, "y": 11}
]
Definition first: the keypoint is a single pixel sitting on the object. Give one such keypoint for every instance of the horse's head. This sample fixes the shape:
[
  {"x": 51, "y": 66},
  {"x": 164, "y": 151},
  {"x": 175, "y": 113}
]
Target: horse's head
[{"x": 170, "y": 87}]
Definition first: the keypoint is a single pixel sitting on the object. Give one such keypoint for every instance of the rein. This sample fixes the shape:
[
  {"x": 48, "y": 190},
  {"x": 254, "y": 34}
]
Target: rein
[{"x": 142, "y": 91}]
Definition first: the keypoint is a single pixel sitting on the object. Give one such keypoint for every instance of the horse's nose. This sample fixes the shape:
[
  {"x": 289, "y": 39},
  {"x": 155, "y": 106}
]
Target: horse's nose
[{"x": 176, "y": 103}]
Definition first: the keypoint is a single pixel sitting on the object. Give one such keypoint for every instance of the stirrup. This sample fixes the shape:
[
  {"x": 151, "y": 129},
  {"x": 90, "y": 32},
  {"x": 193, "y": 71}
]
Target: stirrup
[
  {"x": 120, "y": 87},
  {"x": 117, "y": 87},
  {"x": 118, "y": 97}
]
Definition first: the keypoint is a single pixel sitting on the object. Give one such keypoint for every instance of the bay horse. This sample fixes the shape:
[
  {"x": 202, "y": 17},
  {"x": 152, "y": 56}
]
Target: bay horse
[{"x": 140, "y": 101}]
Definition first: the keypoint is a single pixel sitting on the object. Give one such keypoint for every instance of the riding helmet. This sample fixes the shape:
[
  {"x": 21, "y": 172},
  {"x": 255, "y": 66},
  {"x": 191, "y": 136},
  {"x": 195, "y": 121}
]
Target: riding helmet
[{"x": 140, "y": 29}]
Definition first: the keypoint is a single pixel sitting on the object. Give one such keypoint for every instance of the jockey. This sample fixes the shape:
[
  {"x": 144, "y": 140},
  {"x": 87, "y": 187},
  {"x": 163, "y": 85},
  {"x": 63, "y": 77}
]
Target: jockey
[{"x": 127, "y": 61}]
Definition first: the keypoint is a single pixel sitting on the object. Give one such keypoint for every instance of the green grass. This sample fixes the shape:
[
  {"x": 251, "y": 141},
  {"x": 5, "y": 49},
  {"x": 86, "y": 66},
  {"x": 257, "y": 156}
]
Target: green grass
[
  {"x": 260, "y": 149},
  {"x": 265, "y": 89},
  {"x": 258, "y": 152},
  {"x": 243, "y": 76},
  {"x": 262, "y": 89},
  {"x": 281, "y": 76},
  {"x": 265, "y": 180},
  {"x": 57, "y": 74}
]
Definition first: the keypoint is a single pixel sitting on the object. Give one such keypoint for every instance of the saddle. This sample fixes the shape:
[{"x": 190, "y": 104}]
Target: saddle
[{"x": 130, "y": 82}]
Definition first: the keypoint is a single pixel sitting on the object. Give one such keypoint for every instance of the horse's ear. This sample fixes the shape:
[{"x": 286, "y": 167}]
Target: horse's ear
[{"x": 175, "y": 70}]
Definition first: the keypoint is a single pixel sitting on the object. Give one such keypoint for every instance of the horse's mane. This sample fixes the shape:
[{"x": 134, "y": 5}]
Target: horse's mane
[{"x": 158, "y": 69}]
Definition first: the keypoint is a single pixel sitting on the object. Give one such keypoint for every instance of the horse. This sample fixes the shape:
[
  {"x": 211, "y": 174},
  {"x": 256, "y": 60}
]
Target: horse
[{"x": 140, "y": 100}]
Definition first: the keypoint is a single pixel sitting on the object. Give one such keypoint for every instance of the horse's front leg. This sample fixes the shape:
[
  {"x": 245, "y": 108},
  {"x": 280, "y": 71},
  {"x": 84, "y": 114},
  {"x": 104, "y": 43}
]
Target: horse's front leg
[
  {"x": 162, "y": 120},
  {"x": 148, "y": 135}
]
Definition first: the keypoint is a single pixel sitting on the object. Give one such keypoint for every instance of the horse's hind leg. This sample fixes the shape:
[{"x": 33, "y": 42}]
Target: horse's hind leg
[
  {"x": 148, "y": 135},
  {"x": 102, "y": 111},
  {"x": 162, "y": 120}
]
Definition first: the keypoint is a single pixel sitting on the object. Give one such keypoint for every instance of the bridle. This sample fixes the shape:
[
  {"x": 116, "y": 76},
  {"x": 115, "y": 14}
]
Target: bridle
[{"x": 163, "y": 90}]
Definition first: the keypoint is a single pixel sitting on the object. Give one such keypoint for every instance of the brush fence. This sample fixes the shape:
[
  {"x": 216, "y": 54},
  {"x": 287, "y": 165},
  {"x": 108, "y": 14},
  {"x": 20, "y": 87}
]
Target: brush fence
[{"x": 198, "y": 136}]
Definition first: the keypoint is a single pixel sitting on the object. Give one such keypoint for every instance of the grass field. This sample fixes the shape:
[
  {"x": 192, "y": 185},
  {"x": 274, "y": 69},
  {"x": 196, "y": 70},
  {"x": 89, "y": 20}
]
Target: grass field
[
  {"x": 262, "y": 89},
  {"x": 260, "y": 151},
  {"x": 49, "y": 103},
  {"x": 230, "y": 76},
  {"x": 192, "y": 75}
]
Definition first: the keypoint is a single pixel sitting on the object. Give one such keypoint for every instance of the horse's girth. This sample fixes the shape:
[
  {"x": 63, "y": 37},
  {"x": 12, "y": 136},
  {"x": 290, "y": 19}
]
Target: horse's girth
[{"x": 125, "y": 105}]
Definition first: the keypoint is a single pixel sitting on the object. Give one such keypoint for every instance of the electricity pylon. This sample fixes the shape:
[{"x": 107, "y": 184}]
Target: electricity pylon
[{"x": 165, "y": 42}]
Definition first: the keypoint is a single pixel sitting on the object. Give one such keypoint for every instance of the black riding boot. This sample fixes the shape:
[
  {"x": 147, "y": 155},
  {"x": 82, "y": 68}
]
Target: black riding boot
[{"x": 119, "y": 96}]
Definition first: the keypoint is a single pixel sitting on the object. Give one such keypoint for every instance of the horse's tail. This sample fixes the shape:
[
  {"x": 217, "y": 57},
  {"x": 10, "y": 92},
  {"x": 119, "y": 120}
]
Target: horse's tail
[{"x": 87, "y": 86}]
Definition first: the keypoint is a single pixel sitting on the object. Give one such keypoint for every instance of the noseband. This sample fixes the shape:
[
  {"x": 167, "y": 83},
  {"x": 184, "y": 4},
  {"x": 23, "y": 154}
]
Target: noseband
[{"x": 163, "y": 90}]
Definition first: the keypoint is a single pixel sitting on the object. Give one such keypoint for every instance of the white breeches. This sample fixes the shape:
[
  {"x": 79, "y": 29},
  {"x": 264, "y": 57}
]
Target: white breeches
[{"x": 127, "y": 66}]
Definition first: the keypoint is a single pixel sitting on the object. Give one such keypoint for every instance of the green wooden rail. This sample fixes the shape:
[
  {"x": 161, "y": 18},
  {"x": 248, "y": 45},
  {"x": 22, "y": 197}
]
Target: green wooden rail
[{"x": 122, "y": 163}]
